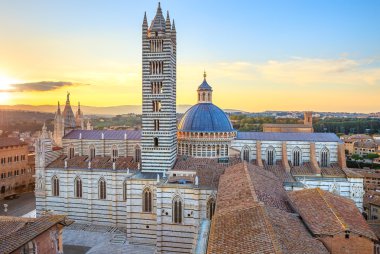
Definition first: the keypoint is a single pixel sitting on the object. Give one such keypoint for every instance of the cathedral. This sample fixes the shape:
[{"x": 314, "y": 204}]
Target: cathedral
[{"x": 160, "y": 184}]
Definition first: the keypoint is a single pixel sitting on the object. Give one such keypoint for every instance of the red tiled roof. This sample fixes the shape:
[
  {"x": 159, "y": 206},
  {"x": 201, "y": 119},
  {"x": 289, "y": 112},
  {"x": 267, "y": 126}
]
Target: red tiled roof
[
  {"x": 24, "y": 230},
  {"x": 7, "y": 142},
  {"x": 244, "y": 222},
  {"x": 98, "y": 162},
  {"x": 328, "y": 214}
]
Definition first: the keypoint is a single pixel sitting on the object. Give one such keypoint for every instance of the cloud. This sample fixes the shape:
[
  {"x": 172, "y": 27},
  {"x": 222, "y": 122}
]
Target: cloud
[{"x": 41, "y": 86}]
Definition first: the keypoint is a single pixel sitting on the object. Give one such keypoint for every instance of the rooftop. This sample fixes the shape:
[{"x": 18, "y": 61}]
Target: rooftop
[
  {"x": 8, "y": 142},
  {"x": 108, "y": 134},
  {"x": 327, "y": 214},
  {"x": 16, "y": 231},
  {"x": 289, "y": 136}
]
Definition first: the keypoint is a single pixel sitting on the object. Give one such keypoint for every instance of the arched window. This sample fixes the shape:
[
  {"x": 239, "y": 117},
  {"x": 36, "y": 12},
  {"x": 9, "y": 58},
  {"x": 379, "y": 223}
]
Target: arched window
[
  {"x": 177, "y": 210},
  {"x": 297, "y": 158},
  {"x": 102, "y": 189},
  {"x": 211, "y": 207},
  {"x": 271, "y": 156},
  {"x": 125, "y": 186},
  {"x": 71, "y": 152},
  {"x": 137, "y": 154},
  {"x": 78, "y": 187},
  {"x": 155, "y": 140},
  {"x": 29, "y": 248},
  {"x": 92, "y": 152},
  {"x": 325, "y": 157},
  {"x": 2, "y": 189},
  {"x": 115, "y": 153},
  {"x": 55, "y": 186},
  {"x": 246, "y": 154},
  {"x": 147, "y": 200}
]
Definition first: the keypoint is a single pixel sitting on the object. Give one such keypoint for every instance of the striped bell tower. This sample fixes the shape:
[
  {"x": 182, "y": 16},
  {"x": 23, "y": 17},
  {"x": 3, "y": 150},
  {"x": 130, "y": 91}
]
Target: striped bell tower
[{"x": 159, "y": 121}]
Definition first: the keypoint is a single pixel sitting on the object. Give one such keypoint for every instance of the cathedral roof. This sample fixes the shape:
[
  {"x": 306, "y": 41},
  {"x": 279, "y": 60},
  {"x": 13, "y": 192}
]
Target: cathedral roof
[
  {"x": 205, "y": 117},
  {"x": 158, "y": 23},
  {"x": 288, "y": 136},
  {"x": 108, "y": 134}
]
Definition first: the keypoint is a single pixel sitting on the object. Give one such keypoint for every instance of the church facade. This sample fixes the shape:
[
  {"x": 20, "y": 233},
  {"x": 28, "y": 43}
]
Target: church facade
[{"x": 159, "y": 184}]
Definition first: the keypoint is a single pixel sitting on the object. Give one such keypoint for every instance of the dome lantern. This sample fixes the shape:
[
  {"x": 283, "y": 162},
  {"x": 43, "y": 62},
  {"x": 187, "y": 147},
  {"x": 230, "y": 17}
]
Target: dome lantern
[{"x": 204, "y": 91}]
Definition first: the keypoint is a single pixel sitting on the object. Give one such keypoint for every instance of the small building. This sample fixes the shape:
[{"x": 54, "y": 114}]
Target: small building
[
  {"x": 31, "y": 235},
  {"x": 307, "y": 126},
  {"x": 16, "y": 167}
]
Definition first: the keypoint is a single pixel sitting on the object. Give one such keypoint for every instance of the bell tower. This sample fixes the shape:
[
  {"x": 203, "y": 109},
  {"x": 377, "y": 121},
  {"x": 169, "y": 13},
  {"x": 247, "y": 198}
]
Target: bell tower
[{"x": 159, "y": 120}]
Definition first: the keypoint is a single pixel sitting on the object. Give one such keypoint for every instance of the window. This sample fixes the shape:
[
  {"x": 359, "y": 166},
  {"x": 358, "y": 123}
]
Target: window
[
  {"x": 210, "y": 208},
  {"x": 125, "y": 190},
  {"x": 29, "y": 248},
  {"x": 2, "y": 189},
  {"x": 246, "y": 154},
  {"x": 271, "y": 157},
  {"x": 78, "y": 187},
  {"x": 147, "y": 200},
  {"x": 102, "y": 189},
  {"x": 92, "y": 152},
  {"x": 155, "y": 141},
  {"x": 156, "y": 125},
  {"x": 137, "y": 154},
  {"x": 156, "y": 106},
  {"x": 156, "y": 87},
  {"x": 71, "y": 152},
  {"x": 156, "y": 45},
  {"x": 55, "y": 186},
  {"x": 115, "y": 153},
  {"x": 177, "y": 210},
  {"x": 297, "y": 157},
  {"x": 156, "y": 67},
  {"x": 325, "y": 154}
]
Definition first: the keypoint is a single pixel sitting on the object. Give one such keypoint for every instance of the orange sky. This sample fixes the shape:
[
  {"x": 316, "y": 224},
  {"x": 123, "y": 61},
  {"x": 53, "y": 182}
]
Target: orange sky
[{"x": 96, "y": 55}]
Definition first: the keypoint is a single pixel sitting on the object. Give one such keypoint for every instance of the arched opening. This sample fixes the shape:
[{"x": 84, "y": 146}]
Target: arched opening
[
  {"x": 177, "y": 210},
  {"x": 137, "y": 153},
  {"x": 78, "y": 187},
  {"x": 245, "y": 154},
  {"x": 325, "y": 157},
  {"x": 55, "y": 186},
  {"x": 211, "y": 207},
  {"x": 271, "y": 156},
  {"x": 92, "y": 152},
  {"x": 147, "y": 200},
  {"x": 71, "y": 151},
  {"x": 297, "y": 157},
  {"x": 115, "y": 153},
  {"x": 102, "y": 189}
]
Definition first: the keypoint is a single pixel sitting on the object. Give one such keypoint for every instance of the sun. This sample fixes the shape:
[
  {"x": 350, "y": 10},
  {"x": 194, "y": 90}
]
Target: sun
[{"x": 6, "y": 89}]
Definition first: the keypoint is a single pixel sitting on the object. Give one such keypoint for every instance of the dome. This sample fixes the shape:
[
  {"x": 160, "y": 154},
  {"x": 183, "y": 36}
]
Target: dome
[{"x": 205, "y": 117}]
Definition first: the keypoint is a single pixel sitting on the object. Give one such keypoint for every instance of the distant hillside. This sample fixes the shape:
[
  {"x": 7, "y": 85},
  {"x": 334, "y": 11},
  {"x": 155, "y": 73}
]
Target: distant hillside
[{"x": 88, "y": 110}]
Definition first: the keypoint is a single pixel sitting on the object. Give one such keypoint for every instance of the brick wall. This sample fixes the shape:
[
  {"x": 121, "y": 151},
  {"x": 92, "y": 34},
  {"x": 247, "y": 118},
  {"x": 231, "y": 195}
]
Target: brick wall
[{"x": 355, "y": 244}]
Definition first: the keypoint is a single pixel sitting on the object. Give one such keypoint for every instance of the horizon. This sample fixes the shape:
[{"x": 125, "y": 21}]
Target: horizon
[{"x": 279, "y": 56}]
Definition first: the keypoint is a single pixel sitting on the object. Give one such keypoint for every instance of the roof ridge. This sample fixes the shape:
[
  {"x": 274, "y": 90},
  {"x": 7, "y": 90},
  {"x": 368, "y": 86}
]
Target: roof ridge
[
  {"x": 269, "y": 226},
  {"x": 340, "y": 219}
]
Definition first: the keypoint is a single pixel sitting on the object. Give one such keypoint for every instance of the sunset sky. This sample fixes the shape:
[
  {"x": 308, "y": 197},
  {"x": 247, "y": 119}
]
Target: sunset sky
[{"x": 259, "y": 55}]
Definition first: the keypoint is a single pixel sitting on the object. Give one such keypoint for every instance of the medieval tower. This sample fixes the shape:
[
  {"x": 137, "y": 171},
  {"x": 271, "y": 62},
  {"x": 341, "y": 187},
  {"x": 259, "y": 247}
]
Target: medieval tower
[{"x": 159, "y": 123}]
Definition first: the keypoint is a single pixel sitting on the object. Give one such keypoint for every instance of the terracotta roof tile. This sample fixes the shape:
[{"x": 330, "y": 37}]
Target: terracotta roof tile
[
  {"x": 25, "y": 230},
  {"x": 329, "y": 214},
  {"x": 6, "y": 142}
]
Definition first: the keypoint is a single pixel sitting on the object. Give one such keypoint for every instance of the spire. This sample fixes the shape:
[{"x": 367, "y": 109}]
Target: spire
[
  {"x": 173, "y": 27},
  {"x": 204, "y": 74},
  {"x": 168, "y": 25},
  {"x": 158, "y": 23},
  {"x": 78, "y": 108},
  {"x": 59, "y": 109},
  {"x": 68, "y": 99},
  {"x": 145, "y": 22}
]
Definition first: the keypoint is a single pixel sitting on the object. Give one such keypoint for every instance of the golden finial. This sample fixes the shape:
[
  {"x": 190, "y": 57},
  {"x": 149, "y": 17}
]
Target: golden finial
[{"x": 204, "y": 74}]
